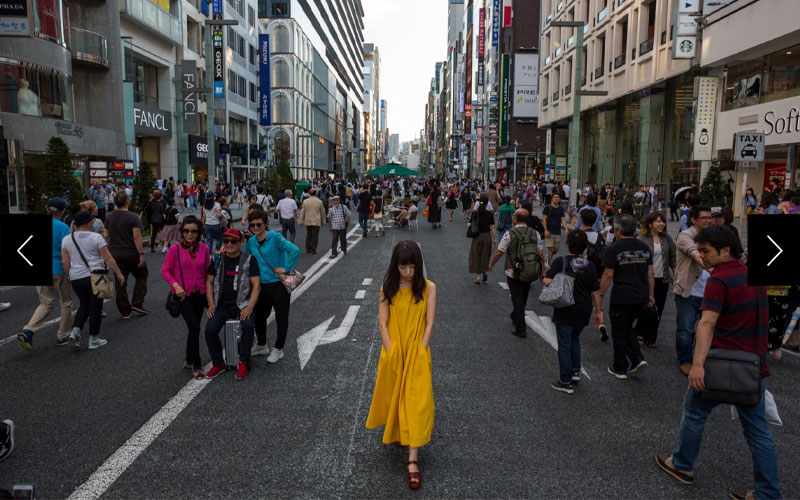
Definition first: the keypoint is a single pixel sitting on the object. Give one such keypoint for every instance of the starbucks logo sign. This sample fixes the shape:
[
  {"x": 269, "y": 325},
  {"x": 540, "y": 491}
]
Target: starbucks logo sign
[{"x": 686, "y": 46}]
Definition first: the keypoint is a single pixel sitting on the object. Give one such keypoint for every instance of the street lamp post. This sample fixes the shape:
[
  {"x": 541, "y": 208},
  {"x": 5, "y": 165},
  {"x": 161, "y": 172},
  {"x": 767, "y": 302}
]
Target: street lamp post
[{"x": 514, "y": 180}]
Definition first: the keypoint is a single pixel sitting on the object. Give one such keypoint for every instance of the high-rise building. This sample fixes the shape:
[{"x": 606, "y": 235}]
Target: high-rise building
[
  {"x": 394, "y": 146},
  {"x": 372, "y": 109},
  {"x": 317, "y": 93}
]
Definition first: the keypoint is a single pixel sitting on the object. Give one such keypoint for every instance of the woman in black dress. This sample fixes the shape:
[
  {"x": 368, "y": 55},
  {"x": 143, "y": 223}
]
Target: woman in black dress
[
  {"x": 434, "y": 210},
  {"x": 466, "y": 203},
  {"x": 451, "y": 202}
]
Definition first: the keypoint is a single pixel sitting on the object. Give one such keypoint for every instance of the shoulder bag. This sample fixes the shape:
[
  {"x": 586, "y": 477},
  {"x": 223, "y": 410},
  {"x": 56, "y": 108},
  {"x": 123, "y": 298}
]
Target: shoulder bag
[
  {"x": 473, "y": 229},
  {"x": 733, "y": 376},
  {"x": 291, "y": 279},
  {"x": 173, "y": 301},
  {"x": 560, "y": 293},
  {"x": 102, "y": 287}
]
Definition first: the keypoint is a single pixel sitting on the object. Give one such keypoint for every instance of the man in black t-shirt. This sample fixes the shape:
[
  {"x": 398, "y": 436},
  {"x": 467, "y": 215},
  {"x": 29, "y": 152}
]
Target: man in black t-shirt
[
  {"x": 232, "y": 289},
  {"x": 364, "y": 200},
  {"x": 629, "y": 264},
  {"x": 554, "y": 221}
]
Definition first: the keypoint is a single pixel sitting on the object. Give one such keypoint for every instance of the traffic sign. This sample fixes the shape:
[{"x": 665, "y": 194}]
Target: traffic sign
[
  {"x": 748, "y": 146},
  {"x": 688, "y": 6},
  {"x": 746, "y": 166}
]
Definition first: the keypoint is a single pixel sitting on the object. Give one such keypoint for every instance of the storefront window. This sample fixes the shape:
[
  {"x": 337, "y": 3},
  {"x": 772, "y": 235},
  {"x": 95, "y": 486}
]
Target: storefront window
[
  {"x": 782, "y": 74},
  {"x": 680, "y": 91},
  {"x": 629, "y": 133},
  {"x": 145, "y": 84},
  {"x": 50, "y": 19},
  {"x": 29, "y": 89},
  {"x": 744, "y": 85}
]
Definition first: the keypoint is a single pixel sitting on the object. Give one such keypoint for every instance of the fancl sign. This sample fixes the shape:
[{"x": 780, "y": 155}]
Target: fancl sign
[{"x": 149, "y": 120}]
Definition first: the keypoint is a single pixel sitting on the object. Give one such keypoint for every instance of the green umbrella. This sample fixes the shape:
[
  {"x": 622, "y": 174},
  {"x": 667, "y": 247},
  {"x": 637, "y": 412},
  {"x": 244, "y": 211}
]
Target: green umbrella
[
  {"x": 393, "y": 169},
  {"x": 299, "y": 188}
]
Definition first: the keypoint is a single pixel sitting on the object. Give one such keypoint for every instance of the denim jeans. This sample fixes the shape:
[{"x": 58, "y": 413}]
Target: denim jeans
[
  {"x": 687, "y": 313},
  {"x": 217, "y": 323},
  {"x": 363, "y": 220},
  {"x": 756, "y": 431},
  {"x": 569, "y": 351},
  {"x": 213, "y": 234}
]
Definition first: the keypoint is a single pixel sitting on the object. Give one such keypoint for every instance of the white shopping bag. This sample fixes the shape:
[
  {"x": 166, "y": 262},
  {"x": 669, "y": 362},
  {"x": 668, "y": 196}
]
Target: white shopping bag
[{"x": 770, "y": 408}]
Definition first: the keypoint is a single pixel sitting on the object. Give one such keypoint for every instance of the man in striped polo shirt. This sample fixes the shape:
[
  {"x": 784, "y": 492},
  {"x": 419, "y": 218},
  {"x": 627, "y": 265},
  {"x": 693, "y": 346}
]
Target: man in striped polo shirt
[{"x": 730, "y": 320}]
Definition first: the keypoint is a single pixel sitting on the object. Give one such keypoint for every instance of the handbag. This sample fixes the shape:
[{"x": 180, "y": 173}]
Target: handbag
[
  {"x": 102, "y": 287},
  {"x": 425, "y": 212},
  {"x": 173, "y": 301},
  {"x": 560, "y": 293},
  {"x": 291, "y": 279},
  {"x": 733, "y": 376},
  {"x": 473, "y": 229}
]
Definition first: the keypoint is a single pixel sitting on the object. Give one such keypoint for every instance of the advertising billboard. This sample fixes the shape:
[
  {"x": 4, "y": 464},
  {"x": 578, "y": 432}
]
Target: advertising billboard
[
  {"x": 505, "y": 89},
  {"x": 526, "y": 86}
]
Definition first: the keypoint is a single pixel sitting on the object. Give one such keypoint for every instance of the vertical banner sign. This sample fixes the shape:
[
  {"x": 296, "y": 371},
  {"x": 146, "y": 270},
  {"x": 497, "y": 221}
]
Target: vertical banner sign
[
  {"x": 265, "y": 86},
  {"x": 191, "y": 122},
  {"x": 506, "y": 13},
  {"x": 217, "y": 7},
  {"x": 481, "y": 33},
  {"x": 219, "y": 63},
  {"x": 705, "y": 99},
  {"x": 204, "y": 7},
  {"x": 505, "y": 84},
  {"x": 548, "y": 138},
  {"x": 495, "y": 22}
]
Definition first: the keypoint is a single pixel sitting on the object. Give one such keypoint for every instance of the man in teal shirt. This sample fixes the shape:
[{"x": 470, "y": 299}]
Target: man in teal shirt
[
  {"x": 275, "y": 254},
  {"x": 55, "y": 207}
]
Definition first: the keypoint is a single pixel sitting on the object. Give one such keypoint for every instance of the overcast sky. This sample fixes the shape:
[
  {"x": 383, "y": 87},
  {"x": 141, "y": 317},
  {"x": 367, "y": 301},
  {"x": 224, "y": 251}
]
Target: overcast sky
[{"x": 411, "y": 36}]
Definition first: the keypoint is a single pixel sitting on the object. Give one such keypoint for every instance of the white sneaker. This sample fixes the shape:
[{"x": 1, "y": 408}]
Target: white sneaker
[
  {"x": 163, "y": 249},
  {"x": 4, "y": 305},
  {"x": 275, "y": 355},
  {"x": 260, "y": 350}
]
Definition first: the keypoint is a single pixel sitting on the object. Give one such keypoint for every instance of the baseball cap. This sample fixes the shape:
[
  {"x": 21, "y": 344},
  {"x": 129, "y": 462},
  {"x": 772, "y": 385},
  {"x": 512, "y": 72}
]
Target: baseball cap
[
  {"x": 233, "y": 233},
  {"x": 57, "y": 203},
  {"x": 82, "y": 217}
]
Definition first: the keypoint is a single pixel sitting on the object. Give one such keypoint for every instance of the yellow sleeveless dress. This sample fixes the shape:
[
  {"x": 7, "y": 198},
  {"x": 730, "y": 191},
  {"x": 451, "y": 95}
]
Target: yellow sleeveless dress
[{"x": 403, "y": 397}]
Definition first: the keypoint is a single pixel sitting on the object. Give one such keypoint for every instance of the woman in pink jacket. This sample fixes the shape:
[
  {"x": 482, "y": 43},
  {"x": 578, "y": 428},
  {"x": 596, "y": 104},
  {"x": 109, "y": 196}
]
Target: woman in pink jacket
[{"x": 184, "y": 270}]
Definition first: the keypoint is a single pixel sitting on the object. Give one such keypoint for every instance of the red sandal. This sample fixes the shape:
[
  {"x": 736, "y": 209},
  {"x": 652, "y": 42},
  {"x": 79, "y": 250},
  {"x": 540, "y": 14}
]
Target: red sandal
[{"x": 414, "y": 478}]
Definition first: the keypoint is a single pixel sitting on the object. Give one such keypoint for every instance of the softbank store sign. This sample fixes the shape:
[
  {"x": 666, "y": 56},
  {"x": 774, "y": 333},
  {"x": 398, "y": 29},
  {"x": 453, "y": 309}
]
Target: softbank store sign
[
  {"x": 779, "y": 120},
  {"x": 150, "y": 120}
]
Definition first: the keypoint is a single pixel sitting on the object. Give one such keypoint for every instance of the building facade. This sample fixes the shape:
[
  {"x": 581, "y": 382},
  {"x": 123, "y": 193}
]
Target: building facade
[
  {"x": 372, "y": 106},
  {"x": 317, "y": 92},
  {"x": 61, "y": 79}
]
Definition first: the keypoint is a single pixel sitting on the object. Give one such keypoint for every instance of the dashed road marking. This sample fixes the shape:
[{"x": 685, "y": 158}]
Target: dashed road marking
[
  {"x": 503, "y": 285},
  {"x": 366, "y": 282},
  {"x": 545, "y": 328},
  {"x": 361, "y": 294}
]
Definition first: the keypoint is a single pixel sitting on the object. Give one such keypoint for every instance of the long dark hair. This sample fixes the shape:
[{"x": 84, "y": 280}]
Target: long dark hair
[
  {"x": 405, "y": 253},
  {"x": 208, "y": 204}
]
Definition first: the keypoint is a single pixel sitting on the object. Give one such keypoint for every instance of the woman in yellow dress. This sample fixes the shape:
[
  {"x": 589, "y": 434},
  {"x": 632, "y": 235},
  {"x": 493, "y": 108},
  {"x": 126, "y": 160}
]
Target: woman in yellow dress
[{"x": 403, "y": 397}]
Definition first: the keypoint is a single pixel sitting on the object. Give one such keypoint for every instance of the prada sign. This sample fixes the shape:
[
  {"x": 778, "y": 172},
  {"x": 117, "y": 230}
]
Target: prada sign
[
  {"x": 150, "y": 120},
  {"x": 16, "y": 8}
]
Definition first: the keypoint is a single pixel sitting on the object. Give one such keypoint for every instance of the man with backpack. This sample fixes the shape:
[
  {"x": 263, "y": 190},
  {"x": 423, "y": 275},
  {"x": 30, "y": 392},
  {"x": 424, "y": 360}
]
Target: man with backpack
[
  {"x": 523, "y": 249},
  {"x": 595, "y": 252}
]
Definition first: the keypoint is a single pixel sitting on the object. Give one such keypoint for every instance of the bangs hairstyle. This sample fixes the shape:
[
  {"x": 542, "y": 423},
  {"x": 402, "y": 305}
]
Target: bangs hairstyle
[
  {"x": 191, "y": 219},
  {"x": 405, "y": 253},
  {"x": 647, "y": 225}
]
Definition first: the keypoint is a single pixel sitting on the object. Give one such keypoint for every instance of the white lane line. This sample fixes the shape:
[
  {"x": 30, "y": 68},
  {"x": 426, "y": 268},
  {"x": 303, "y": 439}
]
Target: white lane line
[
  {"x": 790, "y": 353},
  {"x": 503, "y": 285},
  {"x": 102, "y": 479},
  {"x": 361, "y": 294},
  {"x": 366, "y": 282},
  {"x": 546, "y": 329}
]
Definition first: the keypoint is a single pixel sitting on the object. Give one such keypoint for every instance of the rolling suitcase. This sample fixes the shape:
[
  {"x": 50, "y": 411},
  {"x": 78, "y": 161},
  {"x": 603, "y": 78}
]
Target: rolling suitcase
[{"x": 233, "y": 332}]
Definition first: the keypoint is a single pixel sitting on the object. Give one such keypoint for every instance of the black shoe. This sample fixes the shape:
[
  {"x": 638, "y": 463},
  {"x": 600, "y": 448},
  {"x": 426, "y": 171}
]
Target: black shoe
[
  {"x": 603, "y": 333},
  {"x": 562, "y": 387},
  {"x": 485, "y": 277},
  {"x": 7, "y": 446},
  {"x": 519, "y": 333}
]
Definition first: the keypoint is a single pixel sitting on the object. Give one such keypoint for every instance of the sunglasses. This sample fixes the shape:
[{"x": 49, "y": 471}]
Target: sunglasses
[
  {"x": 229, "y": 241},
  {"x": 256, "y": 224},
  {"x": 190, "y": 231}
]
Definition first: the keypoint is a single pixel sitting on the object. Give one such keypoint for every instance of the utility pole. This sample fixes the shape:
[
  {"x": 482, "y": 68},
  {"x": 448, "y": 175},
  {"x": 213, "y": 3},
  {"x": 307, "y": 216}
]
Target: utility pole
[{"x": 514, "y": 180}]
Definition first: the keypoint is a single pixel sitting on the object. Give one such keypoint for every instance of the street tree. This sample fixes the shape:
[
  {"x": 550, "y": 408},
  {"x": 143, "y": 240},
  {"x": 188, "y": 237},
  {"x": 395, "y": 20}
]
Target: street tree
[
  {"x": 59, "y": 175},
  {"x": 143, "y": 184},
  {"x": 714, "y": 192}
]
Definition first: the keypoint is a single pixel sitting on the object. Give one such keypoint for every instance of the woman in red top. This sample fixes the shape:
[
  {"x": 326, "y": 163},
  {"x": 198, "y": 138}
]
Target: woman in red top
[{"x": 184, "y": 270}]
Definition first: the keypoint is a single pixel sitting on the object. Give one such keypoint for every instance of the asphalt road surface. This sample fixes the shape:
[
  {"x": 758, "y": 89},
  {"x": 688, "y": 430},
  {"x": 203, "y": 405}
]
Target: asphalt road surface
[{"x": 125, "y": 421}]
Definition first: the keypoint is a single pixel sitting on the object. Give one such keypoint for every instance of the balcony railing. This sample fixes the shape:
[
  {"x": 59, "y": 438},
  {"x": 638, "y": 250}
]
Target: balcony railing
[
  {"x": 619, "y": 61},
  {"x": 598, "y": 72},
  {"x": 555, "y": 96},
  {"x": 645, "y": 47},
  {"x": 88, "y": 47},
  {"x": 602, "y": 15},
  {"x": 544, "y": 102},
  {"x": 152, "y": 17},
  {"x": 547, "y": 60},
  {"x": 571, "y": 41},
  {"x": 558, "y": 52},
  {"x": 568, "y": 90}
]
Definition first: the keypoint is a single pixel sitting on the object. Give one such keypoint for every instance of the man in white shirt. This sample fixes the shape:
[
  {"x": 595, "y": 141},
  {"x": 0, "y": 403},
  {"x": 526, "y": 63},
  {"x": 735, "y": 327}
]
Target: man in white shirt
[
  {"x": 287, "y": 211},
  {"x": 566, "y": 188}
]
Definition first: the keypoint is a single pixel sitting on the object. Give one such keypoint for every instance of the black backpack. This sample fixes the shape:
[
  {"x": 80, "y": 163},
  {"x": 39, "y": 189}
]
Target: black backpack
[{"x": 595, "y": 253}]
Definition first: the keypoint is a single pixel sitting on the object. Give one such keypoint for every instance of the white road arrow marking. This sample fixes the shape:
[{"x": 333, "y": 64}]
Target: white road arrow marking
[
  {"x": 546, "y": 329},
  {"x": 320, "y": 335},
  {"x": 780, "y": 250},
  {"x": 26, "y": 242}
]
